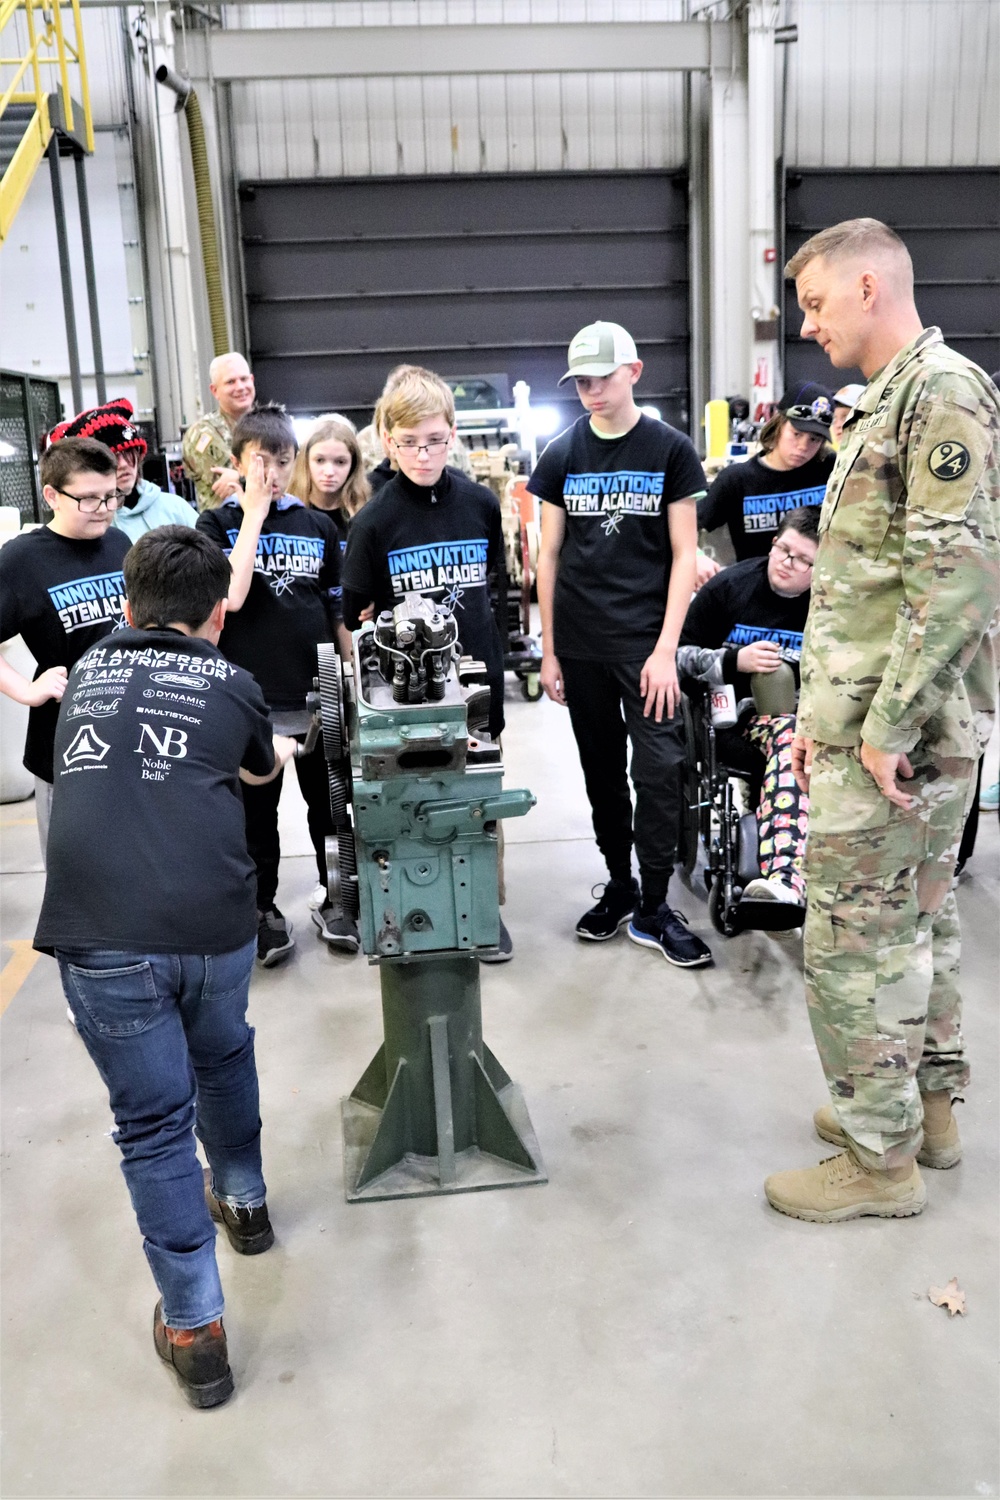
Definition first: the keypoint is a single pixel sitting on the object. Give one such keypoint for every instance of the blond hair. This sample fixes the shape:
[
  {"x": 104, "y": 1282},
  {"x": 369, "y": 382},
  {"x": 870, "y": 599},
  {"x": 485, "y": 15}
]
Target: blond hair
[
  {"x": 355, "y": 491},
  {"x": 855, "y": 237},
  {"x": 416, "y": 395}
]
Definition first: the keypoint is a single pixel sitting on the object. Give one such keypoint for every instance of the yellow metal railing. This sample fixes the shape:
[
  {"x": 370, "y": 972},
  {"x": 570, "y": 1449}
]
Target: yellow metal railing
[{"x": 48, "y": 46}]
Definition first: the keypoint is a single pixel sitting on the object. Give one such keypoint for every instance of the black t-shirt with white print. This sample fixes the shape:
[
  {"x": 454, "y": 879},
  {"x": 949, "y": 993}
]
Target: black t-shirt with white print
[
  {"x": 60, "y": 595},
  {"x": 614, "y": 566},
  {"x": 294, "y": 598},
  {"x": 440, "y": 542},
  {"x": 147, "y": 843},
  {"x": 750, "y": 499}
]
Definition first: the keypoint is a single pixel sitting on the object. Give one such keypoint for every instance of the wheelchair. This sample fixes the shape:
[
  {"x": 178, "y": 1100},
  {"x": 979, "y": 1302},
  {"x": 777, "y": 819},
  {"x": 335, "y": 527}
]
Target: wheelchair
[{"x": 720, "y": 789}]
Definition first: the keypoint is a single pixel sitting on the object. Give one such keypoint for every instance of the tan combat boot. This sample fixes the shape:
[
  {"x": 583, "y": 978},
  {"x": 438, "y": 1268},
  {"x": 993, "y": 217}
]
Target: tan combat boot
[
  {"x": 942, "y": 1147},
  {"x": 841, "y": 1188}
]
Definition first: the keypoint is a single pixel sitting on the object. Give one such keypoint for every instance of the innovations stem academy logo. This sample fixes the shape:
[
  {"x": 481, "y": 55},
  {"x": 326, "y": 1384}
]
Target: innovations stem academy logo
[{"x": 85, "y": 748}]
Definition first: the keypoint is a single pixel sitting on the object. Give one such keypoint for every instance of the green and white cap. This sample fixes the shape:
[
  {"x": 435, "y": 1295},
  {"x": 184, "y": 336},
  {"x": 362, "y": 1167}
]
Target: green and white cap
[{"x": 599, "y": 349}]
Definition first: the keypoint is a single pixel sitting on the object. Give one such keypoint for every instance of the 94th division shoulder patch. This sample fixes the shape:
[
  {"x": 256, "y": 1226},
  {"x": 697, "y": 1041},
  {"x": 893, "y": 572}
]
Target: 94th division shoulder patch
[{"x": 948, "y": 461}]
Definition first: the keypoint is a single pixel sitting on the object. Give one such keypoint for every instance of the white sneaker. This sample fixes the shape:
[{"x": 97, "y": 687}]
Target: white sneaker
[
  {"x": 318, "y": 898},
  {"x": 772, "y": 889}
]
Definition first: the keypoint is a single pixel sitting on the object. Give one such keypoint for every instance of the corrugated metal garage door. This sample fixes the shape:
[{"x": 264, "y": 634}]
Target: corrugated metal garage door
[
  {"x": 467, "y": 275},
  {"x": 950, "y": 221}
]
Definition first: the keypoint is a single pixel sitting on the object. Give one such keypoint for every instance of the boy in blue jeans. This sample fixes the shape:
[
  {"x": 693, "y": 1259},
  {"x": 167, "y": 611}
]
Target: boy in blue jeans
[{"x": 154, "y": 928}]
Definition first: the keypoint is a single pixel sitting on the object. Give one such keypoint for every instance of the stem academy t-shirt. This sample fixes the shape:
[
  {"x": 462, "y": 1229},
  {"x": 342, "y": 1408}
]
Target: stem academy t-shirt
[
  {"x": 294, "y": 598},
  {"x": 738, "y": 607},
  {"x": 439, "y": 542},
  {"x": 147, "y": 844},
  {"x": 60, "y": 595},
  {"x": 751, "y": 498},
  {"x": 614, "y": 566}
]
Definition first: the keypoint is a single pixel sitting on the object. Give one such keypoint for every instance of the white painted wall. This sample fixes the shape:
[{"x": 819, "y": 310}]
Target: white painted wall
[
  {"x": 872, "y": 83},
  {"x": 32, "y": 326}
]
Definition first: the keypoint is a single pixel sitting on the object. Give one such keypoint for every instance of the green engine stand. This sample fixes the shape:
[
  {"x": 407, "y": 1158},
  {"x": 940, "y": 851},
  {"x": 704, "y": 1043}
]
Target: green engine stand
[{"x": 434, "y": 1112}]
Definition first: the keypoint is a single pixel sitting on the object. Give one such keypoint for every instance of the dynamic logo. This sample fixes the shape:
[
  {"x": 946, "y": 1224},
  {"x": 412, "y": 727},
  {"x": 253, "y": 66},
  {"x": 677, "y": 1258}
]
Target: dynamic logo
[{"x": 85, "y": 748}]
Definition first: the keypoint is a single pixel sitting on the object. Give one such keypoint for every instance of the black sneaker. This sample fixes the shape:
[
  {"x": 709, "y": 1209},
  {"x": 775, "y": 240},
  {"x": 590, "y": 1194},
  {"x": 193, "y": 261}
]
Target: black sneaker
[
  {"x": 198, "y": 1357},
  {"x": 613, "y": 910},
  {"x": 667, "y": 930},
  {"x": 337, "y": 931},
  {"x": 505, "y": 948},
  {"x": 248, "y": 1229},
  {"x": 274, "y": 938}
]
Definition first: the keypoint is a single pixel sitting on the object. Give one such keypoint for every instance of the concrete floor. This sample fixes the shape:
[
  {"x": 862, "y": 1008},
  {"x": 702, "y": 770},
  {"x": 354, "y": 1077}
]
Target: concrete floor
[{"x": 642, "y": 1325}]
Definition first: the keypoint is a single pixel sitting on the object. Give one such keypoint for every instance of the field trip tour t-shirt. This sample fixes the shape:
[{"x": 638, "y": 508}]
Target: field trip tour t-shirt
[
  {"x": 750, "y": 499},
  {"x": 614, "y": 566},
  {"x": 147, "y": 843},
  {"x": 60, "y": 595}
]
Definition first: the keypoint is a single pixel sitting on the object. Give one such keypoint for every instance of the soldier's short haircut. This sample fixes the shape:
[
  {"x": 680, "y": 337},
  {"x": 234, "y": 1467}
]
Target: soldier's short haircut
[
  {"x": 220, "y": 360},
  {"x": 853, "y": 237},
  {"x": 268, "y": 426},
  {"x": 72, "y": 456},
  {"x": 418, "y": 395},
  {"x": 804, "y": 519},
  {"x": 175, "y": 575}
]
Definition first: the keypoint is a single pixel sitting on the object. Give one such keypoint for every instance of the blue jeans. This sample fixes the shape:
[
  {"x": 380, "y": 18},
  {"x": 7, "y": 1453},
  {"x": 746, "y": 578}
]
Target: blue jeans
[{"x": 168, "y": 1034}]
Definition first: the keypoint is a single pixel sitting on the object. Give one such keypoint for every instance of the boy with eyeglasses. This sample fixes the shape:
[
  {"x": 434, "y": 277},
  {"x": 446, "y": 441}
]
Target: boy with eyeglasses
[
  {"x": 752, "y": 616},
  {"x": 61, "y": 591},
  {"x": 431, "y": 532}
]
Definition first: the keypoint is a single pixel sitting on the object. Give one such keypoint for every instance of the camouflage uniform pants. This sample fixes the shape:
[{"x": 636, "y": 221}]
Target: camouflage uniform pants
[{"x": 882, "y": 946}]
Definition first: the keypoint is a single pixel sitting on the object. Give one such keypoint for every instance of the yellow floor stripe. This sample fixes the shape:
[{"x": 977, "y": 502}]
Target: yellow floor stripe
[{"x": 16, "y": 970}]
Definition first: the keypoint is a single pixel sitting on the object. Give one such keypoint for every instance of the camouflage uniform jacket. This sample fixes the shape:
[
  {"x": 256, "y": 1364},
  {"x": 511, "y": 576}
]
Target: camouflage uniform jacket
[
  {"x": 904, "y": 624},
  {"x": 206, "y": 446}
]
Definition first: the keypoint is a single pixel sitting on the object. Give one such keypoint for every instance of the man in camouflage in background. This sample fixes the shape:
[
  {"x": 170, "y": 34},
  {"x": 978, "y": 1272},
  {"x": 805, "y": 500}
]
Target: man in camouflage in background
[
  {"x": 899, "y": 678},
  {"x": 208, "y": 459}
]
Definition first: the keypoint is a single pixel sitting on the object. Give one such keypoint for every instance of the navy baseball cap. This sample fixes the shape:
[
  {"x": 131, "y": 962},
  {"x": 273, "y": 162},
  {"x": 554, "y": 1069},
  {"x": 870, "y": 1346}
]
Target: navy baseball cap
[{"x": 809, "y": 408}]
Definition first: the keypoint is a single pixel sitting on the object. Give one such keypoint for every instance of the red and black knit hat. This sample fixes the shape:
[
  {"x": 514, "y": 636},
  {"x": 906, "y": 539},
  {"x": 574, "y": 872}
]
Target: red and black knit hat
[{"x": 112, "y": 424}]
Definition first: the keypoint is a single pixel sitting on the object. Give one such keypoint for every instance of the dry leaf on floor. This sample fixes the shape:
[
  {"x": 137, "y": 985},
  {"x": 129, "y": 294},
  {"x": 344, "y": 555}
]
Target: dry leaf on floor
[{"x": 951, "y": 1296}]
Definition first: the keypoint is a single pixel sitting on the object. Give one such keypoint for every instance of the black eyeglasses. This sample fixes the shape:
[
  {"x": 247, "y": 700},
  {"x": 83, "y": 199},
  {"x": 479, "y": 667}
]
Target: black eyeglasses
[
  {"x": 410, "y": 445},
  {"x": 91, "y": 504},
  {"x": 795, "y": 559}
]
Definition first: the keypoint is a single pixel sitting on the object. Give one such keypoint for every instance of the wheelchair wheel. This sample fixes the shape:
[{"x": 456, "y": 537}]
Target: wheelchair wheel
[{"x": 718, "y": 910}]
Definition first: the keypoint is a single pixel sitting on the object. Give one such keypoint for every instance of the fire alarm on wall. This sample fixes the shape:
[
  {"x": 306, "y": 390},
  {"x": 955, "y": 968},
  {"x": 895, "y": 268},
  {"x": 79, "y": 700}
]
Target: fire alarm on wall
[{"x": 770, "y": 256}]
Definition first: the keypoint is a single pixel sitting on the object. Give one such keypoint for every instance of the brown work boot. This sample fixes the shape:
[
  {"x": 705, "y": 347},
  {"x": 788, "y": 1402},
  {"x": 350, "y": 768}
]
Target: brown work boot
[
  {"x": 942, "y": 1147},
  {"x": 248, "y": 1229},
  {"x": 199, "y": 1358},
  {"x": 841, "y": 1188}
]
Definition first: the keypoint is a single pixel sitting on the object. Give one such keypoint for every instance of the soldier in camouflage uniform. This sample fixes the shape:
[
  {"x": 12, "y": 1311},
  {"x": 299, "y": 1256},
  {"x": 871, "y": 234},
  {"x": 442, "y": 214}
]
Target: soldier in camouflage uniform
[
  {"x": 899, "y": 676},
  {"x": 207, "y": 442}
]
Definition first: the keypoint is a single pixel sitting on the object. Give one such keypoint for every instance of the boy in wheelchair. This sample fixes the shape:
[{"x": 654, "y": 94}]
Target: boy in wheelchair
[{"x": 744, "y": 631}]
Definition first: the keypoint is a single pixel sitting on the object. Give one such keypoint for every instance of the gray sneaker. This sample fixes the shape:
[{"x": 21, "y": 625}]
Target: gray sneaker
[
  {"x": 274, "y": 938},
  {"x": 505, "y": 949},
  {"x": 340, "y": 932}
]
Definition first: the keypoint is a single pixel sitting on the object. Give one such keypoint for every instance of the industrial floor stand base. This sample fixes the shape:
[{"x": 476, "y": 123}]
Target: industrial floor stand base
[{"x": 434, "y": 1112}]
